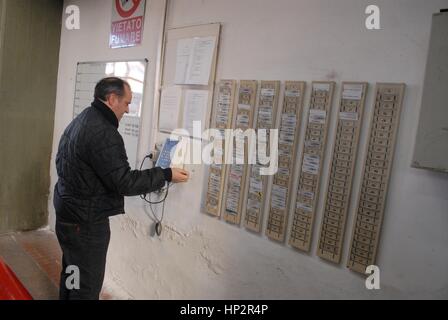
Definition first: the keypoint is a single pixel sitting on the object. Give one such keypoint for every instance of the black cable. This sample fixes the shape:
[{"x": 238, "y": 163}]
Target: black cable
[{"x": 158, "y": 226}]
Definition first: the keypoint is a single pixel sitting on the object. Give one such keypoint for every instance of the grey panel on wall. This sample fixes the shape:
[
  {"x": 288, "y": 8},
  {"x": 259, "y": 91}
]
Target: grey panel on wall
[
  {"x": 29, "y": 57},
  {"x": 431, "y": 146}
]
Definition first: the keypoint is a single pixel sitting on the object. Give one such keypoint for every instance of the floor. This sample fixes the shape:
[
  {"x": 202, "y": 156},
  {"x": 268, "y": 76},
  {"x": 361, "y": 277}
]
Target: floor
[{"x": 35, "y": 258}]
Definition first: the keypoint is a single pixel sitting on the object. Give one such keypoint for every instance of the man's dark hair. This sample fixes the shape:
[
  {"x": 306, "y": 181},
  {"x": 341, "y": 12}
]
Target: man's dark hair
[{"x": 110, "y": 85}]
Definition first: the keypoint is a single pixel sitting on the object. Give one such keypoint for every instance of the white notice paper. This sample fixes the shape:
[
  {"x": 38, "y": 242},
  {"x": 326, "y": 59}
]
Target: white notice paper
[
  {"x": 267, "y": 92},
  {"x": 130, "y": 131},
  {"x": 317, "y": 116},
  {"x": 184, "y": 48},
  {"x": 242, "y": 121},
  {"x": 169, "y": 109},
  {"x": 256, "y": 186},
  {"x": 201, "y": 61},
  {"x": 350, "y": 116},
  {"x": 311, "y": 163},
  {"x": 292, "y": 93},
  {"x": 278, "y": 200},
  {"x": 287, "y": 128},
  {"x": 306, "y": 194},
  {"x": 304, "y": 206},
  {"x": 214, "y": 185},
  {"x": 194, "y": 60},
  {"x": 253, "y": 205},
  {"x": 352, "y": 92},
  {"x": 321, "y": 87},
  {"x": 195, "y": 107}
]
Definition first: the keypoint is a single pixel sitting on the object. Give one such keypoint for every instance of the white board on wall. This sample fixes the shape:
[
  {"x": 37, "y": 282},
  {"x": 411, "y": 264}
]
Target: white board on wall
[
  {"x": 189, "y": 63},
  {"x": 431, "y": 143},
  {"x": 89, "y": 73}
]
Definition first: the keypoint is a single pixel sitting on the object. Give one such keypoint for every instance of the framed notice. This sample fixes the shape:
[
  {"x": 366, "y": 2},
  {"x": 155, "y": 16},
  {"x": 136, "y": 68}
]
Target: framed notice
[
  {"x": 128, "y": 17},
  {"x": 189, "y": 65}
]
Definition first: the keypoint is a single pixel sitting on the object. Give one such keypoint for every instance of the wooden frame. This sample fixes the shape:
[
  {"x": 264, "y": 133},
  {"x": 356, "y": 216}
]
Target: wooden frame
[
  {"x": 172, "y": 36},
  {"x": 236, "y": 176},
  {"x": 289, "y": 130},
  {"x": 309, "y": 178},
  {"x": 267, "y": 105},
  {"x": 222, "y": 116},
  {"x": 375, "y": 176},
  {"x": 337, "y": 197}
]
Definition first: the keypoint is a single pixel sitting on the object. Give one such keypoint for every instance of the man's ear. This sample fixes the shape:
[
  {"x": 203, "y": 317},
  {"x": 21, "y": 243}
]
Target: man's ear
[{"x": 111, "y": 99}]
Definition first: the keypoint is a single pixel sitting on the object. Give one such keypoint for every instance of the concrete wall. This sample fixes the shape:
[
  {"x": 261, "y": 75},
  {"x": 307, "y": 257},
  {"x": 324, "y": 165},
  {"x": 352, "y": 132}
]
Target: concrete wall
[
  {"x": 29, "y": 48},
  {"x": 199, "y": 257}
]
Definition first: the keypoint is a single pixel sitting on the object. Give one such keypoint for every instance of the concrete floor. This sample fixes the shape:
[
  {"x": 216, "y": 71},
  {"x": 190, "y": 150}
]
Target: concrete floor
[{"x": 35, "y": 258}]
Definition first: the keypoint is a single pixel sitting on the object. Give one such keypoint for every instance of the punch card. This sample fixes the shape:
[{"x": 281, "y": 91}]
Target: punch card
[
  {"x": 236, "y": 176},
  {"x": 375, "y": 176},
  {"x": 266, "y": 116},
  {"x": 337, "y": 198},
  {"x": 304, "y": 208},
  {"x": 222, "y": 121},
  {"x": 291, "y": 116}
]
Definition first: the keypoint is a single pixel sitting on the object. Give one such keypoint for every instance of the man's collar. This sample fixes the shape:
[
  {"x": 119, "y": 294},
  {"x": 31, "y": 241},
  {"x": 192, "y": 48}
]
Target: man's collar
[{"x": 106, "y": 112}]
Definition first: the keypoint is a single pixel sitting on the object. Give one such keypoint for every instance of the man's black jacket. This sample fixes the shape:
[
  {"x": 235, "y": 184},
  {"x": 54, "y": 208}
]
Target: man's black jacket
[{"x": 93, "y": 169}]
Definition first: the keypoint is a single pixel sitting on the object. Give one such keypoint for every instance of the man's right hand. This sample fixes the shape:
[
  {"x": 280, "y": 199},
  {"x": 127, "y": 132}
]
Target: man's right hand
[{"x": 179, "y": 175}]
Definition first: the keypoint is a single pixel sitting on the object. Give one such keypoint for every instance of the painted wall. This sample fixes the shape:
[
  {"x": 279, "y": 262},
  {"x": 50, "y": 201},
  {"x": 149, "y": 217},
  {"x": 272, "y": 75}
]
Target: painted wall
[
  {"x": 29, "y": 48},
  {"x": 199, "y": 257}
]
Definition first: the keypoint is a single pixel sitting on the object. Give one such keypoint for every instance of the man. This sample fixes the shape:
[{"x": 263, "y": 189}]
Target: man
[{"x": 94, "y": 176}]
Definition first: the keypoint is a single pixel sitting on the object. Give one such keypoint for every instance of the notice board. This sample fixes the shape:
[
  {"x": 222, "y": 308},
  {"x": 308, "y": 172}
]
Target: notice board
[
  {"x": 189, "y": 67},
  {"x": 430, "y": 151}
]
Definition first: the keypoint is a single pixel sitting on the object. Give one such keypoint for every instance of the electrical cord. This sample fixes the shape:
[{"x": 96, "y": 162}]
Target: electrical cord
[{"x": 158, "y": 226}]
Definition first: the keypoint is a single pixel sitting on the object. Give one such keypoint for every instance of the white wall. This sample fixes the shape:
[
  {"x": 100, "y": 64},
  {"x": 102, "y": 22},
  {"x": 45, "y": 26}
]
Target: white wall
[{"x": 199, "y": 257}]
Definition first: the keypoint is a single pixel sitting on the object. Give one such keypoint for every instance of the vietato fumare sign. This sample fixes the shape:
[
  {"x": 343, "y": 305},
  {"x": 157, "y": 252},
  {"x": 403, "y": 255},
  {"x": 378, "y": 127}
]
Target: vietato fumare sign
[{"x": 127, "y": 23}]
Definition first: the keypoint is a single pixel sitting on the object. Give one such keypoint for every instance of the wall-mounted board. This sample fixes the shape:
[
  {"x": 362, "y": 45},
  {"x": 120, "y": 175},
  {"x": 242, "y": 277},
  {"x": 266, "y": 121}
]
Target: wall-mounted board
[
  {"x": 289, "y": 129},
  {"x": 375, "y": 176},
  {"x": 237, "y": 172},
  {"x": 265, "y": 119},
  {"x": 222, "y": 120},
  {"x": 304, "y": 208},
  {"x": 337, "y": 197},
  {"x": 431, "y": 144},
  {"x": 189, "y": 62}
]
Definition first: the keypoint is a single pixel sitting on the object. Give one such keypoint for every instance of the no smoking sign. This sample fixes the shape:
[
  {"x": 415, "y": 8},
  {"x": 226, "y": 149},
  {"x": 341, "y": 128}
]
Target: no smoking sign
[{"x": 127, "y": 23}]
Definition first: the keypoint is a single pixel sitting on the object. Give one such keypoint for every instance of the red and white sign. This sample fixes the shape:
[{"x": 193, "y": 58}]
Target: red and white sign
[{"x": 127, "y": 23}]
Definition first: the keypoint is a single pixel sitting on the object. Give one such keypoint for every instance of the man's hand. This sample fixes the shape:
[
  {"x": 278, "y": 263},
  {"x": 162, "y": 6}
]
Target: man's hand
[{"x": 179, "y": 175}]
